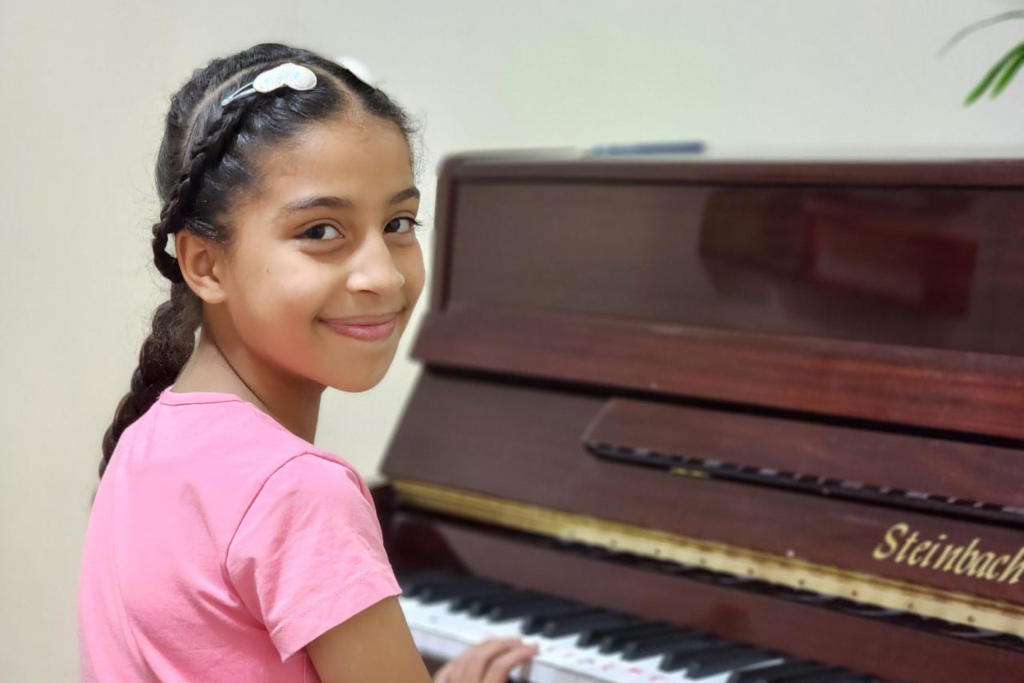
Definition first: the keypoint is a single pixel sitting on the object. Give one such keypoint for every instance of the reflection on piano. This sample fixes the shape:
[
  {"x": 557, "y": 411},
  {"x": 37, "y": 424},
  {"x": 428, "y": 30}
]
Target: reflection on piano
[{"x": 720, "y": 421}]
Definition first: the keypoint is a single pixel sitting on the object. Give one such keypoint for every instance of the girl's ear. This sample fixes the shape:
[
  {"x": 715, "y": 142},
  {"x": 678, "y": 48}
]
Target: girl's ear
[{"x": 199, "y": 260}]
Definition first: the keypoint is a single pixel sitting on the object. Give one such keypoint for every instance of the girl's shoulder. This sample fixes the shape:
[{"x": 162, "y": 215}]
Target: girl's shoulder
[
  {"x": 217, "y": 438},
  {"x": 226, "y": 416}
]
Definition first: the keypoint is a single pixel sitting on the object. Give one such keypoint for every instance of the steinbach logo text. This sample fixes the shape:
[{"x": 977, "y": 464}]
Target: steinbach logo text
[{"x": 901, "y": 544}]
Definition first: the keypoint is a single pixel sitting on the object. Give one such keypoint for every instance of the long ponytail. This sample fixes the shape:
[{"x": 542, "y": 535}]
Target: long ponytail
[{"x": 162, "y": 357}]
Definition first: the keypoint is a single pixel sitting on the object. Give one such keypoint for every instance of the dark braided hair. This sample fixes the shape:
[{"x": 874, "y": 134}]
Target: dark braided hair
[{"x": 206, "y": 161}]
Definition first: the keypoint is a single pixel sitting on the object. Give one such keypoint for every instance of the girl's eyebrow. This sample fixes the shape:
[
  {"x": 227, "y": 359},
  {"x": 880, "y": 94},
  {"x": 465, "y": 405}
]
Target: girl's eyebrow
[
  {"x": 332, "y": 202},
  {"x": 407, "y": 193}
]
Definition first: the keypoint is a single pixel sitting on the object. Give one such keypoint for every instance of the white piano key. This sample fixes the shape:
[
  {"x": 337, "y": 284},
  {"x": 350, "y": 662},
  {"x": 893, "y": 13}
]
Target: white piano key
[{"x": 442, "y": 634}]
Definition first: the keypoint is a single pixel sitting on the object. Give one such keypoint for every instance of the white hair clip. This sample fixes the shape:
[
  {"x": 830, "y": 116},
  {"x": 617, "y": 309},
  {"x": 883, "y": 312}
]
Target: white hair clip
[{"x": 294, "y": 76}]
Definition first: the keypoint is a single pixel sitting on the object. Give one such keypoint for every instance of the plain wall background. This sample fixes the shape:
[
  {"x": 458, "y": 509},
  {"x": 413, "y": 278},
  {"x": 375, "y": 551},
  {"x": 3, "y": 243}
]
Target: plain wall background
[{"x": 84, "y": 87}]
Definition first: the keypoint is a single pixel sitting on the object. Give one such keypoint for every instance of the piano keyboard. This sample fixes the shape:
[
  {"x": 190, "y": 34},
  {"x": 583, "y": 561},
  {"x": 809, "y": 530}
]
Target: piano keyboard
[{"x": 579, "y": 644}]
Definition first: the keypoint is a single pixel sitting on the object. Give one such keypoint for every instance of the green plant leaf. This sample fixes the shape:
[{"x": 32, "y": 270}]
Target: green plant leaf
[
  {"x": 1009, "y": 72},
  {"x": 992, "y": 74},
  {"x": 977, "y": 26}
]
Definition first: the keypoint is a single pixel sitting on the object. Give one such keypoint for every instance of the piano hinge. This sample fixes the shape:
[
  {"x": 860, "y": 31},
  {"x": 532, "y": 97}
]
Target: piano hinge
[{"x": 869, "y": 589}]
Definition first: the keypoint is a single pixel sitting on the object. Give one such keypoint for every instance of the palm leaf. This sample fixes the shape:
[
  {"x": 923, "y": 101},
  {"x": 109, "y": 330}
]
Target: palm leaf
[
  {"x": 1013, "y": 56},
  {"x": 1009, "y": 72}
]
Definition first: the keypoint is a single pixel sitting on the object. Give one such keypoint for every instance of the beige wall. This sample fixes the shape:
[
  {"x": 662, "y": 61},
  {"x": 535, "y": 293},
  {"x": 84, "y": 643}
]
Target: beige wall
[{"x": 83, "y": 86}]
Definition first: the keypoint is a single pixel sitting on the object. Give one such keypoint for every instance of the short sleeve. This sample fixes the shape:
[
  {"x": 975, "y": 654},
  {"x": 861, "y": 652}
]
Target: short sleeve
[{"x": 308, "y": 554}]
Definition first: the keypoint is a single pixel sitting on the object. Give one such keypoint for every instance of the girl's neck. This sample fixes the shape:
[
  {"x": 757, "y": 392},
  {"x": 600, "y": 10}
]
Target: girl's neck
[{"x": 294, "y": 404}]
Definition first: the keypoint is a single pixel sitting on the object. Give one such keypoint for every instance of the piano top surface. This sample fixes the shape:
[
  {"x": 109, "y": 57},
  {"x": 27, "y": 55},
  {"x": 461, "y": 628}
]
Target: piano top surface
[{"x": 996, "y": 168}]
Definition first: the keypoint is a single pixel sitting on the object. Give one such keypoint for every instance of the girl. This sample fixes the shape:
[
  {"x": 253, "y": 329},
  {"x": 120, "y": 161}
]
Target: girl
[{"x": 223, "y": 545}]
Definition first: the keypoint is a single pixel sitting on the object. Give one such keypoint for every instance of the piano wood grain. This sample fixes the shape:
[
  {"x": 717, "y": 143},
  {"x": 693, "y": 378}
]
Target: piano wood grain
[{"x": 943, "y": 390}]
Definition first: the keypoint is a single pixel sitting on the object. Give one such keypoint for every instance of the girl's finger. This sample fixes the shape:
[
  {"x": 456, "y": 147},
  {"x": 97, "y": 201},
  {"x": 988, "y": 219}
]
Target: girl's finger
[
  {"x": 453, "y": 670},
  {"x": 442, "y": 674},
  {"x": 502, "y": 665},
  {"x": 477, "y": 659}
]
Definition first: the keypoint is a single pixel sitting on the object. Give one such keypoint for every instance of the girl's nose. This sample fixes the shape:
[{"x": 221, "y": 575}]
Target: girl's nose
[{"x": 373, "y": 269}]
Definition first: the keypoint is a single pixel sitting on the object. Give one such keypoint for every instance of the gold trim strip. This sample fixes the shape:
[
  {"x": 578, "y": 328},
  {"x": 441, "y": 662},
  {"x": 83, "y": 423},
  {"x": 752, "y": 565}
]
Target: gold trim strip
[{"x": 960, "y": 608}]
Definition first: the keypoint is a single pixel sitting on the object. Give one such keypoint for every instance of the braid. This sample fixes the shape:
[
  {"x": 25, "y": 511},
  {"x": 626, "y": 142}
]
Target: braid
[
  {"x": 207, "y": 153},
  {"x": 162, "y": 357},
  {"x": 165, "y": 263},
  {"x": 170, "y": 343}
]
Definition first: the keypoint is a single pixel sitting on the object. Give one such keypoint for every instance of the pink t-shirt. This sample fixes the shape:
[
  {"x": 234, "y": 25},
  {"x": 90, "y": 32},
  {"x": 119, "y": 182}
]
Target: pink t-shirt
[{"x": 219, "y": 546}]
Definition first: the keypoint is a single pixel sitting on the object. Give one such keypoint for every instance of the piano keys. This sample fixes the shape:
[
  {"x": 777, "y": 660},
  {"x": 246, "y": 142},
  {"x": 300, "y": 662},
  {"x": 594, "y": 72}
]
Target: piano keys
[{"x": 447, "y": 613}]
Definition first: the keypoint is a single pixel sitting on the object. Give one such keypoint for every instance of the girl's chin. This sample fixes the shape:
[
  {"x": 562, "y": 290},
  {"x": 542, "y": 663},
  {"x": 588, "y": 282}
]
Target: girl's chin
[
  {"x": 355, "y": 372},
  {"x": 355, "y": 385}
]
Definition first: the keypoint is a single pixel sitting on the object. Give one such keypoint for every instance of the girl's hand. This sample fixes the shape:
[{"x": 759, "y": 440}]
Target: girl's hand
[{"x": 488, "y": 662}]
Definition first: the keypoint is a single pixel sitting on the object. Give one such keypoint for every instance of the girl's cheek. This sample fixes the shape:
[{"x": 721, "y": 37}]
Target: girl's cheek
[
  {"x": 410, "y": 263},
  {"x": 295, "y": 280}
]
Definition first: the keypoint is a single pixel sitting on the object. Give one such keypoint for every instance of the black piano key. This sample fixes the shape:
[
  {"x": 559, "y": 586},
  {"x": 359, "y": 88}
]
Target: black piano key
[
  {"x": 558, "y": 627},
  {"x": 482, "y": 606},
  {"x": 594, "y": 636},
  {"x": 777, "y": 673},
  {"x": 537, "y": 623},
  {"x": 648, "y": 646},
  {"x": 531, "y": 608},
  {"x": 617, "y": 641},
  {"x": 832, "y": 675},
  {"x": 670, "y": 642},
  {"x": 434, "y": 593},
  {"x": 414, "y": 582},
  {"x": 726, "y": 659},
  {"x": 463, "y": 602},
  {"x": 824, "y": 671},
  {"x": 684, "y": 656}
]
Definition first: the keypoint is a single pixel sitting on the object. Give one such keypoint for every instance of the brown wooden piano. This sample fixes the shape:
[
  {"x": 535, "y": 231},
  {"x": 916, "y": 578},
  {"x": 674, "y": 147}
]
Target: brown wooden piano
[{"x": 776, "y": 407}]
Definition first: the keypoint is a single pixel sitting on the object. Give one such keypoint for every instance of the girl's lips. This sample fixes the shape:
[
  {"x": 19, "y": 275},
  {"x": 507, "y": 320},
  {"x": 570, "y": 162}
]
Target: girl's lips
[{"x": 364, "y": 328}]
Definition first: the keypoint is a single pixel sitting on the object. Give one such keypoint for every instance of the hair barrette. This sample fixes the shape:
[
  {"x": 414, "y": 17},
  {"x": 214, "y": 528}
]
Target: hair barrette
[{"x": 294, "y": 76}]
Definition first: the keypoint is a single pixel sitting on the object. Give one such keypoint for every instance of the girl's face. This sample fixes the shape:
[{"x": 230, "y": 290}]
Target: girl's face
[{"x": 325, "y": 267}]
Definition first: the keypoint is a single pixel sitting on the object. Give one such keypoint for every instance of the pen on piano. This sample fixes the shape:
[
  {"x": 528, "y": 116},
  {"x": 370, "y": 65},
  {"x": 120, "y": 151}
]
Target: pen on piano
[{"x": 642, "y": 148}]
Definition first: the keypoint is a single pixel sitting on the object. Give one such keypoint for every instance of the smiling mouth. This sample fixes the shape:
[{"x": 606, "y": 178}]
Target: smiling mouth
[{"x": 364, "y": 328}]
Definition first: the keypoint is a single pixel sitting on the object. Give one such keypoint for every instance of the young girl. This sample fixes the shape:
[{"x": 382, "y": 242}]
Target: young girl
[{"x": 223, "y": 545}]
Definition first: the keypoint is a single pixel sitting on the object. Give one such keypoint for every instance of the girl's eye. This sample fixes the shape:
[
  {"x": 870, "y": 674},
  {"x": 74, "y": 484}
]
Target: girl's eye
[
  {"x": 322, "y": 231},
  {"x": 401, "y": 225}
]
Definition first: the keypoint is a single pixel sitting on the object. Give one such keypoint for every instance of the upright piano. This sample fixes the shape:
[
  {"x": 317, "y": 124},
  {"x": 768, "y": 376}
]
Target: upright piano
[{"x": 720, "y": 421}]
